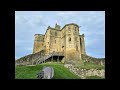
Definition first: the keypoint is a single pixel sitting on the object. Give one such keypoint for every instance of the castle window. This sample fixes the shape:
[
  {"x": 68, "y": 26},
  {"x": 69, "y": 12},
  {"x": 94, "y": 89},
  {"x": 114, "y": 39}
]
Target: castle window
[
  {"x": 75, "y": 28},
  {"x": 55, "y": 33},
  {"x": 48, "y": 42},
  {"x": 69, "y": 30},
  {"x": 80, "y": 45},
  {"x": 69, "y": 39},
  {"x": 80, "y": 42},
  {"x": 55, "y": 41},
  {"x": 62, "y": 46}
]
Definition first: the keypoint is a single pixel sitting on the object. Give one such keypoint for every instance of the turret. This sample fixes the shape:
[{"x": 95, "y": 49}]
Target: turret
[
  {"x": 82, "y": 44},
  {"x": 72, "y": 43},
  {"x": 57, "y": 26},
  {"x": 38, "y": 43}
]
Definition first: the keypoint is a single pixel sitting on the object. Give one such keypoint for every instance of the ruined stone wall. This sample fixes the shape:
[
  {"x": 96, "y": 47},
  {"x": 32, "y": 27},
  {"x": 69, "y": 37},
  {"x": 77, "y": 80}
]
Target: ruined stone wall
[
  {"x": 98, "y": 61},
  {"x": 38, "y": 43},
  {"x": 55, "y": 39},
  {"x": 84, "y": 73},
  {"x": 82, "y": 44},
  {"x": 47, "y": 42},
  {"x": 63, "y": 40},
  {"x": 29, "y": 59}
]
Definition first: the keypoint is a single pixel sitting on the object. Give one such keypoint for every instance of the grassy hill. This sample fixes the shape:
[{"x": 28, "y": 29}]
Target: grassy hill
[{"x": 30, "y": 72}]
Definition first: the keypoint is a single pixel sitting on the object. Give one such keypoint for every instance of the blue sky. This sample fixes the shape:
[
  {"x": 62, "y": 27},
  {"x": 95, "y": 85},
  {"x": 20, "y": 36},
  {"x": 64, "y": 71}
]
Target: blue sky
[{"x": 28, "y": 23}]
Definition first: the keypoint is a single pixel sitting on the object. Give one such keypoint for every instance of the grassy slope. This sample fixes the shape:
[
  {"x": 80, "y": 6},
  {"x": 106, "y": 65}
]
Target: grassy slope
[{"x": 29, "y": 72}]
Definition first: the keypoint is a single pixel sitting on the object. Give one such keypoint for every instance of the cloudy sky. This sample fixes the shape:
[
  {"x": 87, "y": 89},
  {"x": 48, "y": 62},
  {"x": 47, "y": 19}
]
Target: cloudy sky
[{"x": 28, "y": 23}]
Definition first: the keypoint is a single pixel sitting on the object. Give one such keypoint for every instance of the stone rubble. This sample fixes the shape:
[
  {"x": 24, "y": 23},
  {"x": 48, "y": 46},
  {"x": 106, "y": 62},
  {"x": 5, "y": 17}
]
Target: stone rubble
[{"x": 83, "y": 73}]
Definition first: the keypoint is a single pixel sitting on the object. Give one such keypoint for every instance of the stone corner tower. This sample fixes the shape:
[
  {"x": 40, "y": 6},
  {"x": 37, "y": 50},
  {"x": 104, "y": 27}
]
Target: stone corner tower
[
  {"x": 73, "y": 50},
  {"x": 82, "y": 44},
  {"x": 38, "y": 43}
]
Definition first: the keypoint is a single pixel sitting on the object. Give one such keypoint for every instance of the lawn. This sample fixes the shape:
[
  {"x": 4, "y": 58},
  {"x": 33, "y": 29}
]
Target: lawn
[{"x": 30, "y": 72}]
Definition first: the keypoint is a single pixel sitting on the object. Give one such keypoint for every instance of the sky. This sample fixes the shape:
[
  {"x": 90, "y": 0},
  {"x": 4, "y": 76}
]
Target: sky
[{"x": 28, "y": 23}]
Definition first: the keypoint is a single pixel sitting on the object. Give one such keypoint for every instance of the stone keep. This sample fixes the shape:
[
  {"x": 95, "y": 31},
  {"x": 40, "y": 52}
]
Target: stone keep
[{"x": 66, "y": 40}]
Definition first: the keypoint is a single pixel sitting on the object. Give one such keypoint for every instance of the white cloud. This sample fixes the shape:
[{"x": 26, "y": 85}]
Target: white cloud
[
  {"x": 18, "y": 42},
  {"x": 29, "y": 49},
  {"x": 63, "y": 13},
  {"x": 29, "y": 23}
]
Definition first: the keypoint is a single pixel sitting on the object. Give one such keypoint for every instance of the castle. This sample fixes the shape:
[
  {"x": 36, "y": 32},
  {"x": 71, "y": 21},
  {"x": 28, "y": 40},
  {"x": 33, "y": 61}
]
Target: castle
[
  {"x": 64, "y": 45},
  {"x": 64, "y": 41}
]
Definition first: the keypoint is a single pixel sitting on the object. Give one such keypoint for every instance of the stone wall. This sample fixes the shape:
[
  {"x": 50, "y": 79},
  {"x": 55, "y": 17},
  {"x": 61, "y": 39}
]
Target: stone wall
[
  {"x": 98, "y": 61},
  {"x": 82, "y": 44},
  {"x": 65, "y": 40},
  {"x": 38, "y": 43},
  {"x": 29, "y": 59},
  {"x": 72, "y": 43},
  {"x": 83, "y": 73}
]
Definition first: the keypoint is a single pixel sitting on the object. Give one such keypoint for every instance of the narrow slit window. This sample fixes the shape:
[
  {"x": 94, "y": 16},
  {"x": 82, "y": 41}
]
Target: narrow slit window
[
  {"x": 70, "y": 39},
  {"x": 55, "y": 33}
]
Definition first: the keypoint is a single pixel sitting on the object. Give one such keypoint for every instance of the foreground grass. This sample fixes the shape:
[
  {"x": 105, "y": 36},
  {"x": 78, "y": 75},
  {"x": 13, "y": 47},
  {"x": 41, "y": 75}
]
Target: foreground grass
[{"x": 30, "y": 72}]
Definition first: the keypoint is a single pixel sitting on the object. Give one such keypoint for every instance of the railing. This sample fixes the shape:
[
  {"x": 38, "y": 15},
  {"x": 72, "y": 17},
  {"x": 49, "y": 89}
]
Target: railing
[
  {"x": 42, "y": 59},
  {"x": 57, "y": 53}
]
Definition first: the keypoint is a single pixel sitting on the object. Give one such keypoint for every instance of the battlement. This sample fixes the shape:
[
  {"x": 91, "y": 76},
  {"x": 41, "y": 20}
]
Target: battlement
[
  {"x": 57, "y": 27},
  {"x": 83, "y": 35},
  {"x": 69, "y": 25},
  {"x": 39, "y": 37}
]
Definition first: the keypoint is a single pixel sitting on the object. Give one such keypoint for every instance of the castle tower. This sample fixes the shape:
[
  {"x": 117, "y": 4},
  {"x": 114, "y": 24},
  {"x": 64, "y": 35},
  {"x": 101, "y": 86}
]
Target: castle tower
[
  {"x": 38, "y": 43},
  {"x": 82, "y": 44},
  {"x": 66, "y": 40},
  {"x": 73, "y": 52},
  {"x": 57, "y": 27}
]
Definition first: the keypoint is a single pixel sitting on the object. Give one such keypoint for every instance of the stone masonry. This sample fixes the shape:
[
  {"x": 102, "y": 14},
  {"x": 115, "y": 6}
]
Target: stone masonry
[{"x": 67, "y": 41}]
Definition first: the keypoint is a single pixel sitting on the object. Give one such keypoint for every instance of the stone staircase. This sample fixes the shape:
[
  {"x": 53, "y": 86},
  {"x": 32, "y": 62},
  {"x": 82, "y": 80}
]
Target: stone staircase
[{"x": 42, "y": 59}]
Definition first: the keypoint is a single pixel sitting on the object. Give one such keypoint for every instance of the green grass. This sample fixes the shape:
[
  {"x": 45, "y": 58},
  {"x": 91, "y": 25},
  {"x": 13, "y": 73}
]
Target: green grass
[{"x": 30, "y": 72}]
